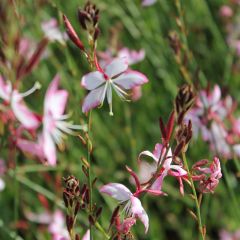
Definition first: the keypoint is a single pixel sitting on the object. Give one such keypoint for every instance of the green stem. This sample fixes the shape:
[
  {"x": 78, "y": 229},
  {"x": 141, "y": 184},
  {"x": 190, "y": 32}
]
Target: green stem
[
  {"x": 16, "y": 193},
  {"x": 200, "y": 226},
  {"x": 89, "y": 148}
]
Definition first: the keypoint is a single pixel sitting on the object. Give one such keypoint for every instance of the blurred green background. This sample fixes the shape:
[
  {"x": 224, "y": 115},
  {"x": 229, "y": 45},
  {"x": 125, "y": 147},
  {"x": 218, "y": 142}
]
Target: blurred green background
[{"x": 118, "y": 140}]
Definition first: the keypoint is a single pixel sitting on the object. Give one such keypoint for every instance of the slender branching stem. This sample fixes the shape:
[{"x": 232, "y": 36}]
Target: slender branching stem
[{"x": 200, "y": 226}]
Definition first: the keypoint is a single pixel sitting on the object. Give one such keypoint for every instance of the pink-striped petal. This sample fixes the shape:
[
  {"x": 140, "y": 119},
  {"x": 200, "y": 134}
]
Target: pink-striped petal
[
  {"x": 117, "y": 66},
  {"x": 130, "y": 79},
  {"x": 117, "y": 191},
  {"x": 92, "y": 80},
  {"x": 94, "y": 99}
]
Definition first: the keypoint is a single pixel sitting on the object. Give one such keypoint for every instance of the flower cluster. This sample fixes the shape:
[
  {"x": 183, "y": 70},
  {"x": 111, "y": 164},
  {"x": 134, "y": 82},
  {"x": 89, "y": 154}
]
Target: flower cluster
[
  {"x": 151, "y": 178},
  {"x": 213, "y": 117}
]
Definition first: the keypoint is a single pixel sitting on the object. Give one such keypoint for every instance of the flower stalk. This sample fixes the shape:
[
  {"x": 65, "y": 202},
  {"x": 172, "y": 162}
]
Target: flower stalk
[{"x": 202, "y": 229}]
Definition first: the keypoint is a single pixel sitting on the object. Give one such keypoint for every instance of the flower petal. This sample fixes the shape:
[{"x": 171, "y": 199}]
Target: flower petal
[
  {"x": 179, "y": 171},
  {"x": 94, "y": 98},
  {"x": 30, "y": 147},
  {"x": 86, "y": 235},
  {"x": 149, "y": 154},
  {"x": 92, "y": 80},
  {"x": 117, "y": 191},
  {"x": 28, "y": 119},
  {"x": 55, "y": 100},
  {"x": 130, "y": 79},
  {"x": 139, "y": 212},
  {"x": 117, "y": 66},
  {"x": 49, "y": 148}
]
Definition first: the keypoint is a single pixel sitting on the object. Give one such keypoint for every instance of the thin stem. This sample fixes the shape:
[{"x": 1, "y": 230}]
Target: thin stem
[
  {"x": 16, "y": 192},
  {"x": 200, "y": 226},
  {"x": 89, "y": 149}
]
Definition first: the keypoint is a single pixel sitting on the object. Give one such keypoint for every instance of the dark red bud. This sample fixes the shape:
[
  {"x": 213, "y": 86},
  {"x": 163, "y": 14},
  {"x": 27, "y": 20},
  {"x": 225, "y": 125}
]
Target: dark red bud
[{"x": 72, "y": 34}]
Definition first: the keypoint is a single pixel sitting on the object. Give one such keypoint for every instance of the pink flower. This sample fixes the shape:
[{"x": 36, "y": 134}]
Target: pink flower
[
  {"x": 133, "y": 207},
  {"x": 114, "y": 77},
  {"x": 146, "y": 3},
  {"x": 11, "y": 96},
  {"x": 210, "y": 176},
  {"x": 55, "y": 126},
  {"x": 226, "y": 11},
  {"x": 167, "y": 168},
  {"x": 52, "y": 31}
]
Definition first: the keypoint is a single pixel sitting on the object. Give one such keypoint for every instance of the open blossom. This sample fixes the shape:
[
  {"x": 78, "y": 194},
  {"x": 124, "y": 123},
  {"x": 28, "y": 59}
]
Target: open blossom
[
  {"x": 14, "y": 99},
  {"x": 115, "y": 77},
  {"x": 208, "y": 175},
  {"x": 213, "y": 117},
  {"x": 55, "y": 126},
  {"x": 167, "y": 168},
  {"x": 131, "y": 56},
  {"x": 52, "y": 31},
  {"x": 133, "y": 207}
]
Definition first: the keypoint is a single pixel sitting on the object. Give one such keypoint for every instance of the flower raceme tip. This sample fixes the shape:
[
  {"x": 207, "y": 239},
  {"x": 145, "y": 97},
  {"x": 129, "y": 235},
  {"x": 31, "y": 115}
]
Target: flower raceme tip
[{"x": 115, "y": 76}]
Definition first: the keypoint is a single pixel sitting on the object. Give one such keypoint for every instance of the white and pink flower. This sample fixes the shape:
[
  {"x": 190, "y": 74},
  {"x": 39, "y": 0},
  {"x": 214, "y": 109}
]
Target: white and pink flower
[
  {"x": 101, "y": 83},
  {"x": 133, "y": 207},
  {"x": 55, "y": 126}
]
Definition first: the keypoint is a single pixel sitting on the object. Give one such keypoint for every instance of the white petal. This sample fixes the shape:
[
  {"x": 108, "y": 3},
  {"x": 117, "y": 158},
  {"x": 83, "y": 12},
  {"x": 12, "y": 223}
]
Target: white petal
[
  {"x": 117, "y": 66},
  {"x": 179, "y": 169},
  {"x": 130, "y": 79},
  {"x": 94, "y": 98},
  {"x": 92, "y": 80},
  {"x": 117, "y": 191},
  {"x": 139, "y": 212},
  {"x": 149, "y": 154},
  {"x": 2, "y": 184},
  {"x": 49, "y": 148},
  {"x": 86, "y": 235}
]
